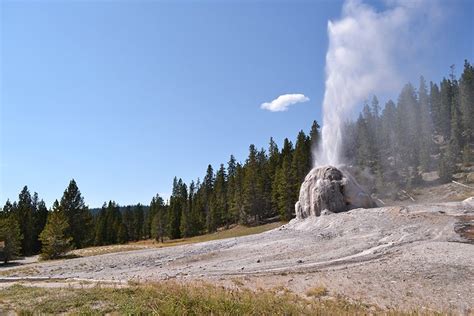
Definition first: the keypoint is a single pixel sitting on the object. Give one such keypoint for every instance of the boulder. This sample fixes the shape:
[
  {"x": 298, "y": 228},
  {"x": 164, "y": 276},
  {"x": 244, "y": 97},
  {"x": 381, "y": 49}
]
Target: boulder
[{"x": 331, "y": 189}]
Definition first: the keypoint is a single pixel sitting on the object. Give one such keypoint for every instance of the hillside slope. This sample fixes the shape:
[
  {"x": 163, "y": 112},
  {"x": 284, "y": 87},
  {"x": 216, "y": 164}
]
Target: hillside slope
[{"x": 418, "y": 256}]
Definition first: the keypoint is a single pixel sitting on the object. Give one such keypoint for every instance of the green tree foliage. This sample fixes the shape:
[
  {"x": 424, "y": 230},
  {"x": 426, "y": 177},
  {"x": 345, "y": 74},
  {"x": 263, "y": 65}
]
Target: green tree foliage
[
  {"x": 138, "y": 221},
  {"x": 251, "y": 190},
  {"x": 466, "y": 105},
  {"x": 285, "y": 187},
  {"x": 25, "y": 218},
  {"x": 10, "y": 234},
  {"x": 220, "y": 208},
  {"x": 301, "y": 162},
  {"x": 425, "y": 127},
  {"x": 178, "y": 203},
  {"x": 158, "y": 211},
  {"x": 109, "y": 226},
  {"x": 129, "y": 222},
  {"x": 423, "y": 131},
  {"x": 207, "y": 195},
  {"x": 54, "y": 239},
  {"x": 78, "y": 216}
]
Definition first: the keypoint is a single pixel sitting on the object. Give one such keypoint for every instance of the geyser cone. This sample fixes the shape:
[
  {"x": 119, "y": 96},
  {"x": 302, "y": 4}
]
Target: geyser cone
[{"x": 331, "y": 189}]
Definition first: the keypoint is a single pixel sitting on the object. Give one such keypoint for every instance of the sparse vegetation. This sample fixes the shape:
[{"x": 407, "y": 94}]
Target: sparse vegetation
[
  {"x": 317, "y": 291},
  {"x": 25, "y": 271},
  {"x": 53, "y": 237},
  {"x": 10, "y": 237},
  {"x": 171, "y": 298},
  {"x": 236, "y": 231}
]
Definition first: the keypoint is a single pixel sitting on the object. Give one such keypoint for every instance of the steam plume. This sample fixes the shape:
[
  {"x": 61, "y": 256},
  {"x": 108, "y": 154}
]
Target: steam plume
[{"x": 365, "y": 51}]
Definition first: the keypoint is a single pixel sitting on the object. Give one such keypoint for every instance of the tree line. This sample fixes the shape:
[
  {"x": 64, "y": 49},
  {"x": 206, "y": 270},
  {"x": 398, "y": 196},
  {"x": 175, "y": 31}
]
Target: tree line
[
  {"x": 429, "y": 128},
  {"x": 264, "y": 187}
]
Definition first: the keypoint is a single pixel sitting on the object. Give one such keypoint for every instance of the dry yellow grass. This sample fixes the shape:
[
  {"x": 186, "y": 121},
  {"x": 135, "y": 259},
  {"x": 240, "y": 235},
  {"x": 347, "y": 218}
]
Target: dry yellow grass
[
  {"x": 235, "y": 231},
  {"x": 171, "y": 298},
  {"x": 20, "y": 270},
  {"x": 317, "y": 291}
]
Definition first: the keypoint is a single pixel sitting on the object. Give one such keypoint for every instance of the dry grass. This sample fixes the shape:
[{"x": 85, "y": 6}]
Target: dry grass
[
  {"x": 24, "y": 271},
  {"x": 170, "y": 298},
  {"x": 236, "y": 231},
  {"x": 317, "y": 291},
  {"x": 101, "y": 250}
]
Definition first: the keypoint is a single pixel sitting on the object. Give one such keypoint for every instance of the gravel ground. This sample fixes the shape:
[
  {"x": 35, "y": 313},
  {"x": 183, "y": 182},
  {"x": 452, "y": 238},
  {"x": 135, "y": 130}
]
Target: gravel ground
[{"x": 405, "y": 257}]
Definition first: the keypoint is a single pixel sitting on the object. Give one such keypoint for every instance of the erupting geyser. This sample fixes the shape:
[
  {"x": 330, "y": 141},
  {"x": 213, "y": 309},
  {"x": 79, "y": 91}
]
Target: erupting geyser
[
  {"x": 328, "y": 188},
  {"x": 366, "y": 49}
]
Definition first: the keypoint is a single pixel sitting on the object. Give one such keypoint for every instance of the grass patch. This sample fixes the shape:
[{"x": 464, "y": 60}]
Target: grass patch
[
  {"x": 170, "y": 298},
  {"x": 317, "y": 291},
  {"x": 102, "y": 250},
  {"x": 236, "y": 231},
  {"x": 28, "y": 271}
]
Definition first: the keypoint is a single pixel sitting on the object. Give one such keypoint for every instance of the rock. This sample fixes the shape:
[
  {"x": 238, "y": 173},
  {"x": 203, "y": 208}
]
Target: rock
[
  {"x": 330, "y": 190},
  {"x": 326, "y": 212},
  {"x": 470, "y": 177}
]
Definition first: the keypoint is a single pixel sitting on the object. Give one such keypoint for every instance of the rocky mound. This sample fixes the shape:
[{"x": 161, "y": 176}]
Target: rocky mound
[{"x": 330, "y": 189}]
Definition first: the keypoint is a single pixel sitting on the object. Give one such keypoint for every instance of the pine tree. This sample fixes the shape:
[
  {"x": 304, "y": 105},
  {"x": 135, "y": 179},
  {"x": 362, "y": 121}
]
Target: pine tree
[
  {"x": 139, "y": 219},
  {"x": 237, "y": 208},
  {"x": 25, "y": 218},
  {"x": 389, "y": 144},
  {"x": 122, "y": 235},
  {"x": 186, "y": 211},
  {"x": 466, "y": 100},
  {"x": 78, "y": 216},
  {"x": 445, "y": 171},
  {"x": 220, "y": 208},
  {"x": 159, "y": 218},
  {"x": 41, "y": 216},
  {"x": 315, "y": 138},
  {"x": 231, "y": 187},
  {"x": 407, "y": 131},
  {"x": 444, "y": 112},
  {"x": 285, "y": 190},
  {"x": 273, "y": 165},
  {"x": 100, "y": 235},
  {"x": 425, "y": 126},
  {"x": 7, "y": 209},
  {"x": 129, "y": 222},
  {"x": 363, "y": 151},
  {"x": 301, "y": 162},
  {"x": 54, "y": 240},
  {"x": 177, "y": 204},
  {"x": 10, "y": 234},
  {"x": 207, "y": 193},
  {"x": 264, "y": 185},
  {"x": 456, "y": 141},
  {"x": 250, "y": 188}
]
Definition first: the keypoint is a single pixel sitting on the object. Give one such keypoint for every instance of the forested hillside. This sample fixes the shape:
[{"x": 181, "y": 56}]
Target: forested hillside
[{"x": 429, "y": 128}]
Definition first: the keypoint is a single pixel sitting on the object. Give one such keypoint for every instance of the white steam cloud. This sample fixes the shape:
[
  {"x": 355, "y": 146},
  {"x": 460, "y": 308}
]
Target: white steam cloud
[
  {"x": 366, "y": 50},
  {"x": 283, "y": 102}
]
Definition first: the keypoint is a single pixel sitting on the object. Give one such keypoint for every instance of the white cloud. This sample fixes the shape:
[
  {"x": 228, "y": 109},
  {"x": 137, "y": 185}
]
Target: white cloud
[{"x": 283, "y": 102}]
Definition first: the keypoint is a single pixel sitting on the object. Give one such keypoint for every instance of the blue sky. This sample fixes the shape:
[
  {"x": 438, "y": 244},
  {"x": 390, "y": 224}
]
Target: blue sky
[{"x": 124, "y": 95}]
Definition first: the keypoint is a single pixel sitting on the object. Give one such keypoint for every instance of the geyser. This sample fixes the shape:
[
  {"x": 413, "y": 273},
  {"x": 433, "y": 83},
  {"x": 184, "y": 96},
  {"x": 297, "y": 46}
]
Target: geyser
[
  {"x": 367, "y": 51},
  {"x": 331, "y": 189}
]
